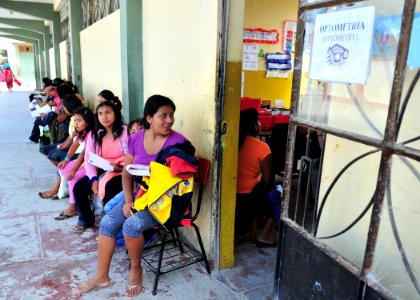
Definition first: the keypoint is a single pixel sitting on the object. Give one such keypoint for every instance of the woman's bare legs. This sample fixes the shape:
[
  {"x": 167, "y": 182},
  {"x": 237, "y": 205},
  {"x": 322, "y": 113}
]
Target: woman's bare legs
[
  {"x": 71, "y": 210},
  {"x": 106, "y": 246},
  {"x": 266, "y": 235},
  {"x": 52, "y": 191},
  {"x": 135, "y": 248}
]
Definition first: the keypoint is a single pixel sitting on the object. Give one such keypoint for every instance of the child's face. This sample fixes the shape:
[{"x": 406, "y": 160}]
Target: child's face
[
  {"x": 79, "y": 123},
  {"x": 135, "y": 127}
]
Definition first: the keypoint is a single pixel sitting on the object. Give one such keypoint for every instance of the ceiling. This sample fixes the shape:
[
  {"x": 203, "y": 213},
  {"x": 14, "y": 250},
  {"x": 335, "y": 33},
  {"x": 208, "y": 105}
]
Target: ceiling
[{"x": 6, "y": 13}]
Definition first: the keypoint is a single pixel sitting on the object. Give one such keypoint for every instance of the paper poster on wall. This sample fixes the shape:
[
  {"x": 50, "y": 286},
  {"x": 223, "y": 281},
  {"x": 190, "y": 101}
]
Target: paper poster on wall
[
  {"x": 341, "y": 46},
  {"x": 289, "y": 35},
  {"x": 260, "y": 35},
  {"x": 250, "y": 57}
]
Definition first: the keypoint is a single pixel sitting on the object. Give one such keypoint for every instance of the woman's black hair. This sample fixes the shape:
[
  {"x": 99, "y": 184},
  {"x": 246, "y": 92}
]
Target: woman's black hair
[
  {"x": 57, "y": 81},
  {"x": 73, "y": 86},
  {"x": 109, "y": 96},
  {"x": 87, "y": 114},
  {"x": 153, "y": 104},
  {"x": 47, "y": 83},
  {"x": 248, "y": 120},
  {"x": 71, "y": 102},
  {"x": 63, "y": 90},
  {"x": 117, "y": 127}
]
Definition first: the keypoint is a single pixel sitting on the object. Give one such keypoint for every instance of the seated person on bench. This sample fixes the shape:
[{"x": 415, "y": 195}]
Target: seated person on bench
[
  {"x": 255, "y": 179},
  {"x": 60, "y": 115}
]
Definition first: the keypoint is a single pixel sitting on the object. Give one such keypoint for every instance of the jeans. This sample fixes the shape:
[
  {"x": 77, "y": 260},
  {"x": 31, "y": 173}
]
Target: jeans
[
  {"x": 82, "y": 190},
  {"x": 35, "y": 134},
  {"x": 134, "y": 226}
]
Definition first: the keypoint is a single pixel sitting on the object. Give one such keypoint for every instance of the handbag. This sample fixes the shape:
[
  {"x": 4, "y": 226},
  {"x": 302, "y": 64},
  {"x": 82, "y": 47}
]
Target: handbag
[{"x": 18, "y": 82}]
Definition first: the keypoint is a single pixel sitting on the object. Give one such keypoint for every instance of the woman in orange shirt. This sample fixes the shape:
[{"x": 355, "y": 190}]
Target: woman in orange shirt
[{"x": 255, "y": 178}]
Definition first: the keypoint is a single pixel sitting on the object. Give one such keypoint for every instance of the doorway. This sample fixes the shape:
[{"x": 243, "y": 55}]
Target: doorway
[{"x": 272, "y": 91}]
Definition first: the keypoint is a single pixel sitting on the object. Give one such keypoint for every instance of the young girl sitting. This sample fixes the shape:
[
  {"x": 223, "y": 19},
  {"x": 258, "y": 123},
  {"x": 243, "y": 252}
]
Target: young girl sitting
[
  {"x": 72, "y": 169},
  {"x": 108, "y": 141}
]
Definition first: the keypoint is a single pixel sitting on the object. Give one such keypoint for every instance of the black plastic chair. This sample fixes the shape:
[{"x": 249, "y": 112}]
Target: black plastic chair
[{"x": 177, "y": 252}]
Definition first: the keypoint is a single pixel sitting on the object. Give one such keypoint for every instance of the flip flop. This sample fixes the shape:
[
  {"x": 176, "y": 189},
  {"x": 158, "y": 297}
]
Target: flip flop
[
  {"x": 43, "y": 196},
  {"x": 132, "y": 290},
  {"x": 80, "y": 229},
  {"x": 63, "y": 216},
  {"x": 135, "y": 289},
  {"x": 85, "y": 288}
]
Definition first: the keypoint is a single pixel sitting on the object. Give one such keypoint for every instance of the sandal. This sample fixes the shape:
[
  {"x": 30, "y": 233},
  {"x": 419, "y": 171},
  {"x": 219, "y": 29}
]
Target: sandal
[
  {"x": 134, "y": 289},
  {"x": 63, "y": 216},
  {"x": 79, "y": 228},
  {"x": 87, "y": 286},
  {"x": 43, "y": 195}
]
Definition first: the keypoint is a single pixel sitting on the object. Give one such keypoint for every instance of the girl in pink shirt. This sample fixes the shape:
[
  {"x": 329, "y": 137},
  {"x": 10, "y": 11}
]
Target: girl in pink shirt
[{"x": 109, "y": 141}]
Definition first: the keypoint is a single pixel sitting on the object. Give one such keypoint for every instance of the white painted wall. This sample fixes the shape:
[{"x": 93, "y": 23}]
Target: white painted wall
[
  {"x": 64, "y": 62},
  {"x": 53, "y": 74},
  {"x": 180, "y": 41},
  {"x": 101, "y": 58}
]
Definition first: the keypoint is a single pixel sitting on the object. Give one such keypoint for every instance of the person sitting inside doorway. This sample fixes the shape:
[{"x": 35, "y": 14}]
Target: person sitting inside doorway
[{"x": 254, "y": 180}]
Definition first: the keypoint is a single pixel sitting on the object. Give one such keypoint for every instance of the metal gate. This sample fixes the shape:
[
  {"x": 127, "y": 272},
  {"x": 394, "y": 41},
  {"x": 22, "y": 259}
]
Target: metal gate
[{"x": 351, "y": 203}]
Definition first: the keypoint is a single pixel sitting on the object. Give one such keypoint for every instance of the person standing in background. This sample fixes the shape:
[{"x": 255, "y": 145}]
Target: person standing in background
[{"x": 8, "y": 76}]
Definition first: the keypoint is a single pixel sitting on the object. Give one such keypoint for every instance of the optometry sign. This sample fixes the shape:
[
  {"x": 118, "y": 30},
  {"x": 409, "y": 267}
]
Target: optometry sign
[{"x": 341, "y": 46}]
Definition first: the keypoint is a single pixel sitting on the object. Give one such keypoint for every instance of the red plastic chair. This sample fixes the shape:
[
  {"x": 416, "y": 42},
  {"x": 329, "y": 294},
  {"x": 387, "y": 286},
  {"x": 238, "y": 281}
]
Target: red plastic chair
[{"x": 181, "y": 253}]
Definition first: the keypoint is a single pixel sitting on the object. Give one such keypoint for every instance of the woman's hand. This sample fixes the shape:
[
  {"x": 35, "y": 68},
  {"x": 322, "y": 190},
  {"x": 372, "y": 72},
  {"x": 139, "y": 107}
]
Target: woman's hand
[
  {"x": 127, "y": 209},
  {"x": 62, "y": 164},
  {"x": 70, "y": 174},
  {"x": 95, "y": 187},
  {"x": 117, "y": 168}
]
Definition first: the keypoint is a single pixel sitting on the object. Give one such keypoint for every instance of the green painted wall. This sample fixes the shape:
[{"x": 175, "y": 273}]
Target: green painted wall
[{"x": 27, "y": 67}]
